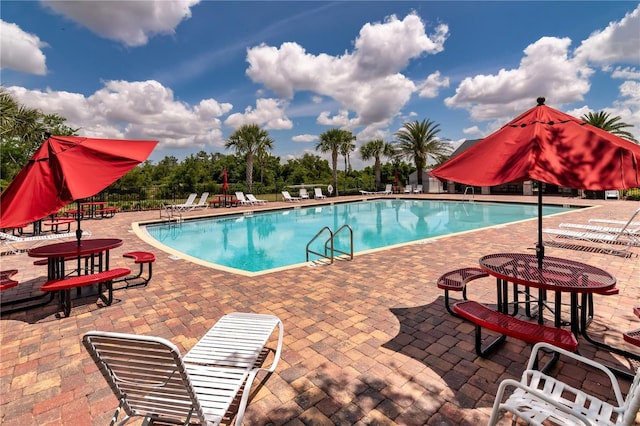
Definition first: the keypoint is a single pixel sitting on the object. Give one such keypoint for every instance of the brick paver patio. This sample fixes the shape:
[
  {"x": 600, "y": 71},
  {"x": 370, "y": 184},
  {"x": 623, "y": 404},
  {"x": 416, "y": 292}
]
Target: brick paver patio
[{"x": 367, "y": 342}]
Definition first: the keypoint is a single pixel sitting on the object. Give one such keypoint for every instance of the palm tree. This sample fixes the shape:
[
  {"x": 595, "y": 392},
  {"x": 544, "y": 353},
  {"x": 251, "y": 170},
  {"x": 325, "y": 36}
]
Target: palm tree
[
  {"x": 417, "y": 140},
  {"x": 604, "y": 121},
  {"x": 345, "y": 149},
  {"x": 375, "y": 149},
  {"x": 332, "y": 141},
  {"x": 249, "y": 140}
]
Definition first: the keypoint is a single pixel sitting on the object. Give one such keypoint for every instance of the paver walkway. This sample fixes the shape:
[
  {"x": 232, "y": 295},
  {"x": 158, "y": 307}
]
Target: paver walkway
[{"x": 366, "y": 342}]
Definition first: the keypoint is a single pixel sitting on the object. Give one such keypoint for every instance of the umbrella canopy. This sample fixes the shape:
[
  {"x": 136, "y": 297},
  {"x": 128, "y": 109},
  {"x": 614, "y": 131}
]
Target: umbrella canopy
[
  {"x": 64, "y": 169},
  {"x": 549, "y": 146},
  {"x": 225, "y": 184}
]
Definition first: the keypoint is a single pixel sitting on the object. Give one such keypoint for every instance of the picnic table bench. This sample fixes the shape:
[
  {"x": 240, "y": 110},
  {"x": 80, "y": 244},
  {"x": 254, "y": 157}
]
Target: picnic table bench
[
  {"x": 55, "y": 224},
  {"x": 63, "y": 286},
  {"x": 506, "y": 325},
  {"x": 457, "y": 280}
]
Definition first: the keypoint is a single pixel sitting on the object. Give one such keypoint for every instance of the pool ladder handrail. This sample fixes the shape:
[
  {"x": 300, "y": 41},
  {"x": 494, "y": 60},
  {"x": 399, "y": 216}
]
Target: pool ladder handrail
[
  {"x": 329, "y": 246},
  {"x": 473, "y": 193}
]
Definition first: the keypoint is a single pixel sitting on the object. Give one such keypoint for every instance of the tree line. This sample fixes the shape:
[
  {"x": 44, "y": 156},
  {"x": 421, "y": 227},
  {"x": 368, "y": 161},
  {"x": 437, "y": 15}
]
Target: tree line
[{"x": 23, "y": 129}]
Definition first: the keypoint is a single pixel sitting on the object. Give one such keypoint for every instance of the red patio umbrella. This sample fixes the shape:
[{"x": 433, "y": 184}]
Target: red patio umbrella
[
  {"x": 549, "y": 146},
  {"x": 64, "y": 169},
  {"x": 225, "y": 184}
]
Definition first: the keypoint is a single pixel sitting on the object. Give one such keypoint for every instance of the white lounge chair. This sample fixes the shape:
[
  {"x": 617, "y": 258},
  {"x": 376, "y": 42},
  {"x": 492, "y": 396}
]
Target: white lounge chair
[
  {"x": 203, "y": 201},
  {"x": 622, "y": 237},
  {"x": 253, "y": 200},
  {"x": 304, "y": 195},
  {"x": 538, "y": 397},
  {"x": 186, "y": 205},
  {"x": 317, "y": 194},
  {"x": 408, "y": 189},
  {"x": 612, "y": 194},
  {"x": 287, "y": 197},
  {"x": 417, "y": 189},
  {"x": 10, "y": 241},
  {"x": 388, "y": 190},
  {"x": 242, "y": 199},
  {"x": 151, "y": 380}
]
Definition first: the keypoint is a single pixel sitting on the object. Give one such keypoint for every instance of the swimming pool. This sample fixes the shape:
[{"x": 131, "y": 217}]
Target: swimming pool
[{"x": 261, "y": 241}]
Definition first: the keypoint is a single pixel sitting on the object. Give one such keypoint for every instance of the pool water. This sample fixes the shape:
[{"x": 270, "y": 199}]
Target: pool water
[{"x": 261, "y": 241}]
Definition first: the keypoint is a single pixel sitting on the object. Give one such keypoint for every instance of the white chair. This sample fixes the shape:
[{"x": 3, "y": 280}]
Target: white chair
[
  {"x": 242, "y": 199},
  {"x": 304, "y": 195},
  {"x": 612, "y": 194},
  {"x": 10, "y": 241},
  {"x": 203, "y": 201},
  {"x": 287, "y": 197},
  {"x": 253, "y": 200},
  {"x": 408, "y": 189},
  {"x": 187, "y": 205},
  {"x": 388, "y": 190},
  {"x": 150, "y": 379},
  {"x": 624, "y": 236},
  {"x": 417, "y": 189},
  {"x": 318, "y": 194},
  {"x": 538, "y": 397},
  {"x": 616, "y": 221}
]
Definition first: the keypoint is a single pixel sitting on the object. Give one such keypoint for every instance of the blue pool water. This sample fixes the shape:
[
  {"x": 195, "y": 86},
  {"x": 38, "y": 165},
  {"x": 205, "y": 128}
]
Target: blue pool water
[{"x": 262, "y": 241}]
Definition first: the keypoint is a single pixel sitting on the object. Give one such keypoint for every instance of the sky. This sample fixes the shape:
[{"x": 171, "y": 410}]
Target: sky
[{"x": 188, "y": 72}]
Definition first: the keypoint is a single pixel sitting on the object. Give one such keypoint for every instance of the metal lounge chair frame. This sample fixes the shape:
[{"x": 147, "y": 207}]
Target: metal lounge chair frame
[
  {"x": 9, "y": 240},
  {"x": 538, "y": 397},
  {"x": 151, "y": 379}
]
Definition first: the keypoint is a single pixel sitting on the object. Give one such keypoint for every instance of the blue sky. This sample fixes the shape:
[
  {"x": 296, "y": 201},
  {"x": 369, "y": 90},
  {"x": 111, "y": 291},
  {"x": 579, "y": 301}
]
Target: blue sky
[{"x": 188, "y": 73}]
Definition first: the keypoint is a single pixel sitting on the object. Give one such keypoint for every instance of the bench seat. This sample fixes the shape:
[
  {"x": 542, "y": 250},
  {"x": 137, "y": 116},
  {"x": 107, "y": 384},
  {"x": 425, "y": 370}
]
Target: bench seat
[
  {"x": 484, "y": 317},
  {"x": 457, "y": 280},
  {"x": 632, "y": 337},
  {"x": 141, "y": 258},
  {"x": 107, "y": 212},
  {"x": 64, "y": 286},
  {"x": 55, "y": 224}
]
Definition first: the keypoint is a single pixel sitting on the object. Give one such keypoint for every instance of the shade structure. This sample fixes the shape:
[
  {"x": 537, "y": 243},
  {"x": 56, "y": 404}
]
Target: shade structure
[
  {"x": 225, "y": 184},
  {"x": 64, "y": 169},
  {"x": 547, "y": 145}
]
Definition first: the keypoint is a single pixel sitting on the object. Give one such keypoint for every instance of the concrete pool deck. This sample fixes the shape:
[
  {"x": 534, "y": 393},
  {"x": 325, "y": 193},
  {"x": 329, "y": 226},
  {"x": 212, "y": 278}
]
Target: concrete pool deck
[{"x": 366, "y": 342}]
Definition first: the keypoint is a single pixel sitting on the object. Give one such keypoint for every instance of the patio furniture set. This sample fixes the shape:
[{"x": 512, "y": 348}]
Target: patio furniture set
[{"x": 538, "y": 397}]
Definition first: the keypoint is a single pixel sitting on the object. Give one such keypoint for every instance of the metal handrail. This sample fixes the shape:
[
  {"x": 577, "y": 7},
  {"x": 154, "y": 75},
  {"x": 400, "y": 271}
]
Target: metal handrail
[
  {"x": 325, "y": 248},
  {"x": 335, "y": 234},
  {"x": 473, "y": 193}
]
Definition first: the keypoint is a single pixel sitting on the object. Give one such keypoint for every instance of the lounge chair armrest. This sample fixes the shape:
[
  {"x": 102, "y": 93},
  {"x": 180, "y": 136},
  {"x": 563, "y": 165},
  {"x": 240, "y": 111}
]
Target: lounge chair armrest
[
  {"x": 498, "y": 404},
  {"x": 547, "y": 347}
]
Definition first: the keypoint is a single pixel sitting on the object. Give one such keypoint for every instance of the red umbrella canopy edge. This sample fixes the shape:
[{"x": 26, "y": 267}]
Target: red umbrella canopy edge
[
  {"x": 550, "y": 146},
  {"x": 64, "y": 169}
]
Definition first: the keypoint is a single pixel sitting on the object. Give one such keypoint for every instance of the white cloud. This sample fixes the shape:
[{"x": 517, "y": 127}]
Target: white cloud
[
  {"x": 269, "y": 113},
  {"x": 618, "y": 43},
  {"x": 431, "y": 86},
  {"x": 473, "y": 130},
  {"x": 304, "y": 138},
  {"x": 545, "y": 70},
  {"x": 367, "y": 81},
  {"x": 339, "y": 120},
  {"x": 21, "y": 51},
  {"x": 133, "y": 110},
  {"x": 130, "y": 22},
  {"x": 626, "y": 73}
]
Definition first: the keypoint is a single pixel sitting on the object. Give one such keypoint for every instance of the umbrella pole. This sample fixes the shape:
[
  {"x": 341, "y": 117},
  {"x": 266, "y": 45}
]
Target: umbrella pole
[
  {"x": 78, "y": 230},
  {"x": 540, "y": 244}
]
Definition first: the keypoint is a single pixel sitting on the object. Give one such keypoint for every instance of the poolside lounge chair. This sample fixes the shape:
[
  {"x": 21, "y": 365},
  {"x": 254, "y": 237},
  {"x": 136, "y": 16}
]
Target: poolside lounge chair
[
  {"x": 417, "y": 189},
  {"x": 388, "y": 190},
  {"x": 186, "y": 205},
  {"x": 318, "y": 194},
  {"x": 538, "y": 397},
  {"x": 304, "y": 195},
  {"x": 203, "y": 201},
  {"x": 242, "y": 199},
  {"x": 10, "y": 241},
  {"x": 152, "y": 380},
  {"x": 253, "y": 200},
  {"x": 287, "y": 197},
  {"x": 408, "y": 189},
  {"x": 622, "y": 237}
]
